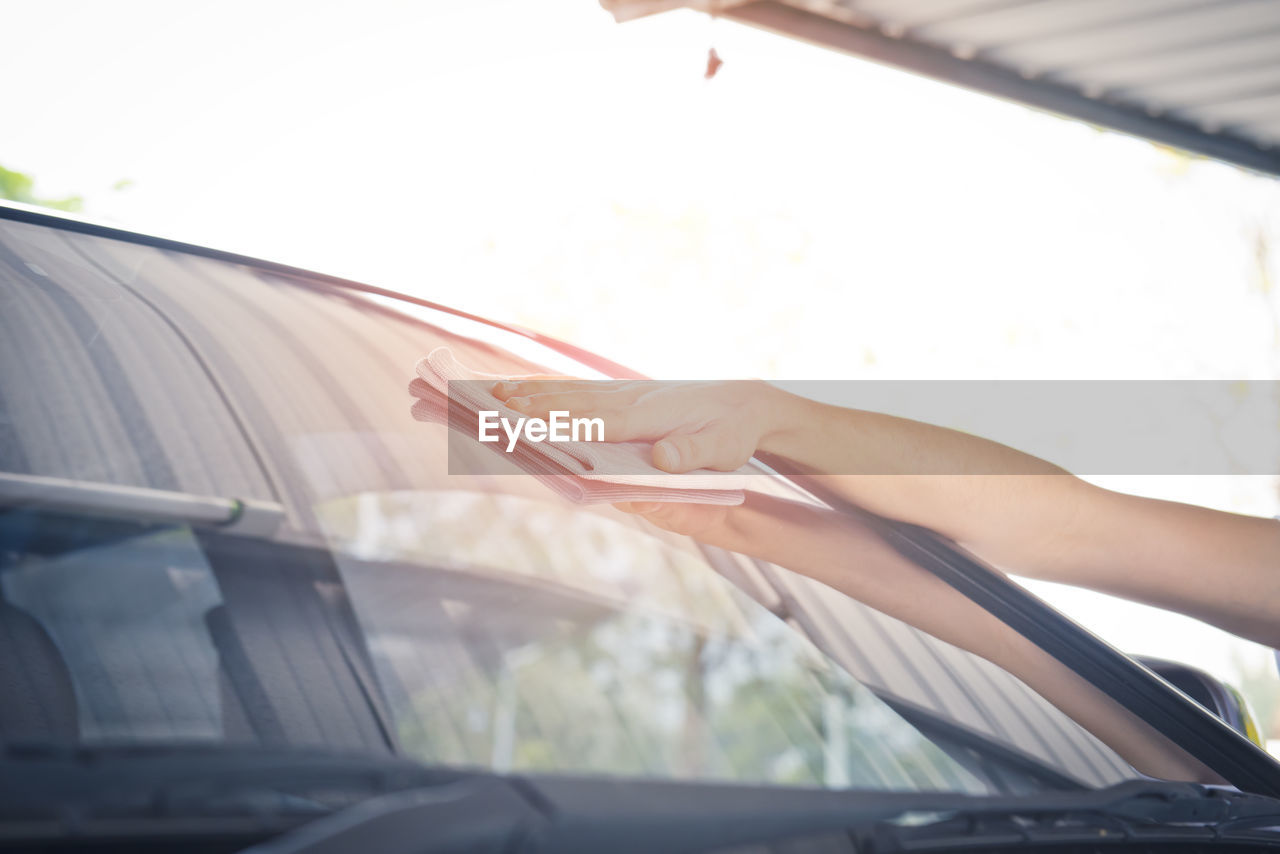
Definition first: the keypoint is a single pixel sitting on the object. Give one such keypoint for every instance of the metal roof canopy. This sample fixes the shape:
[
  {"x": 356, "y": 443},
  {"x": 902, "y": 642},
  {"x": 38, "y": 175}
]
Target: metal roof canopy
[{"x": 1200, "y": 75}]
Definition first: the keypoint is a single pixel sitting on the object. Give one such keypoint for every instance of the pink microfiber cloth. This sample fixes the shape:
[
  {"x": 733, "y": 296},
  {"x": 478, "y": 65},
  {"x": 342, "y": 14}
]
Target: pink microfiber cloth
[{"x": 584, "y": 472}]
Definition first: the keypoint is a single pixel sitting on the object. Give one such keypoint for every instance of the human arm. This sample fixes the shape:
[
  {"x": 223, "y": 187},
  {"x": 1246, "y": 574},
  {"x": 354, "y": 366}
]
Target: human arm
[
  {"x": 1020, "y": 513},
  {"x": 848, "y": 556}
]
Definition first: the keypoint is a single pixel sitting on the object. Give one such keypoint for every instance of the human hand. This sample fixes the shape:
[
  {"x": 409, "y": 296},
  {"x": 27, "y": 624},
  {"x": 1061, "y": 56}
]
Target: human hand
[
  {"x": 712, "y": 425},
  {"x": 706, "y": 522}
]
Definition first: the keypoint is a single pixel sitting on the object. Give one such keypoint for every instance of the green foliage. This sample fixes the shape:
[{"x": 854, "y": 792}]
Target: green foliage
[
  {"x": 19, "y": 187},
  {"x": 1257, "y": 681}
]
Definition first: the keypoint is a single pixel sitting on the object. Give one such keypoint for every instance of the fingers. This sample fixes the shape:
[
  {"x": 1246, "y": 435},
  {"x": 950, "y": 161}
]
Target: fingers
[
  {"x": 620, "y": 425},
  {"x": 717, "y": 447},
  {"x": 694, "y": 520},
  {"x": 696, "y": 426},
  {"x": 523, "y": 387},
  {"x": 577, "y": 402},
  {"x": 638, "y": 507},
  {"x": 628, "y": 410}
]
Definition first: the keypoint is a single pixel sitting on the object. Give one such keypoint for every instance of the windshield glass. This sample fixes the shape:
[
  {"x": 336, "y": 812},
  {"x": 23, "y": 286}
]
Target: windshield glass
[
  {"x": 537, "y": 637},
  {"x": 393, "y": 607}
]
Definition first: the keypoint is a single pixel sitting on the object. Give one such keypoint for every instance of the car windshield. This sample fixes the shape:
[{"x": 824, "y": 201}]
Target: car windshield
[{"x": 388, "y": 605}]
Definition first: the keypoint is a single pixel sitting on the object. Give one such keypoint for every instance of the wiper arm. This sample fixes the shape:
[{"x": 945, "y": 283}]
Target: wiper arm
[{"x": 110, "y": 501}]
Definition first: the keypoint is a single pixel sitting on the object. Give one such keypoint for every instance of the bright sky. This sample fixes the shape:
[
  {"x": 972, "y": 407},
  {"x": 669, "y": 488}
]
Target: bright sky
[{"x": 804, "y": 215}]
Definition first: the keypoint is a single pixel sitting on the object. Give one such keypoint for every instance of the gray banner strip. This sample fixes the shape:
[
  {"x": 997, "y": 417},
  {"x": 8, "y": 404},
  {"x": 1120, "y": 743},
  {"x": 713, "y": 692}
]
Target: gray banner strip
[{"x": 1088, "y": 427}]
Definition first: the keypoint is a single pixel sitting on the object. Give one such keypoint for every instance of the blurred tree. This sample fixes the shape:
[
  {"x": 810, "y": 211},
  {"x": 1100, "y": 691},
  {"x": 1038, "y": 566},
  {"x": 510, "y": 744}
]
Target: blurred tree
[{"x": 19, "y": 187}]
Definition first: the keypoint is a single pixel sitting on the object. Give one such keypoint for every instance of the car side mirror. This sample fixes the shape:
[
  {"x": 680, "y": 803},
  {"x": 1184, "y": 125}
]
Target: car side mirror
[{"x": 1215, "y": 695}]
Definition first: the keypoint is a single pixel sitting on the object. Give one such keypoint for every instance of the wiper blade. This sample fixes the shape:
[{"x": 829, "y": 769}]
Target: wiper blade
[
  {"x": 1138, "y": 801},
  {"x": 1133, "y": 811},
  {"x": 106, "y": 500}
]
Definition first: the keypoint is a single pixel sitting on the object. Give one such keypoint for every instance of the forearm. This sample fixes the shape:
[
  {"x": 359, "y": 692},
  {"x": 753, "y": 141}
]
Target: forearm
[
  {"x": 821, "y": 438},
  {"x": 852, "y": 559},
  {"x": 1007, "y": 505},
  {"x": 848, "y": 556},
  {"x": 1032, "y": 518},
  {"x": 1220, "y": 567}
]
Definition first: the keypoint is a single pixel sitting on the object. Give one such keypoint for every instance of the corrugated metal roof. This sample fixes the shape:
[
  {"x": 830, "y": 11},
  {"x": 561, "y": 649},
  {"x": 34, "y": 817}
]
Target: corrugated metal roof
[{"x": 1202, "y": 75}]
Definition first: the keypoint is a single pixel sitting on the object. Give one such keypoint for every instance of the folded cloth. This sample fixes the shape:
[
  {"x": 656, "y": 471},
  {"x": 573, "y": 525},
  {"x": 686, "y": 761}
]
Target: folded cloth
[{"x": 584, "y": 472}]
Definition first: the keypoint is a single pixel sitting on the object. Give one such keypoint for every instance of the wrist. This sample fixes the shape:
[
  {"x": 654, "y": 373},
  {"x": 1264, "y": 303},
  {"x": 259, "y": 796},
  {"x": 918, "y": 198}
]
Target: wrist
[{"x": 786, "y": 422}]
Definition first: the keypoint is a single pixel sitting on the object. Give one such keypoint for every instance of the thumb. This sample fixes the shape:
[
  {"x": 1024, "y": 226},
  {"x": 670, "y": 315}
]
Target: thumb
[{"x": 713, "y": 447}]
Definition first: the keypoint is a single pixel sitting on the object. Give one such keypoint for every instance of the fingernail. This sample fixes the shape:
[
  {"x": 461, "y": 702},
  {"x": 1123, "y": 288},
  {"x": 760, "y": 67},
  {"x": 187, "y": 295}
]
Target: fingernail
[
  {"x": 645, "y": 506},
  {"x": 500, "y": 388},
  {"x": 666, "y": 453},
  {"x": 520, "y": 403}
]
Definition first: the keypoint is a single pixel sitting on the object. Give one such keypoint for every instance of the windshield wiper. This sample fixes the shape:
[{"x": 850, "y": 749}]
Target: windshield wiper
[
  {"x": 252, "y": 517},
  {"x": 1130, "y": 812},
  {"x": 312, "y": 802},
  {"x": 489, "y": 813}
]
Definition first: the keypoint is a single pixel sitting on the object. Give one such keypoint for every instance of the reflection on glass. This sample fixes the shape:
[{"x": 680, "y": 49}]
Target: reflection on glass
[
  {"x": 104, "y": 626},
  {"x": 523, "y": 635}
]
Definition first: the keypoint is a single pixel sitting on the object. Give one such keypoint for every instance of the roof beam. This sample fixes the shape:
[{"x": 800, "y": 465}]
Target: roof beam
[{"x": 1001, "y": 82}]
